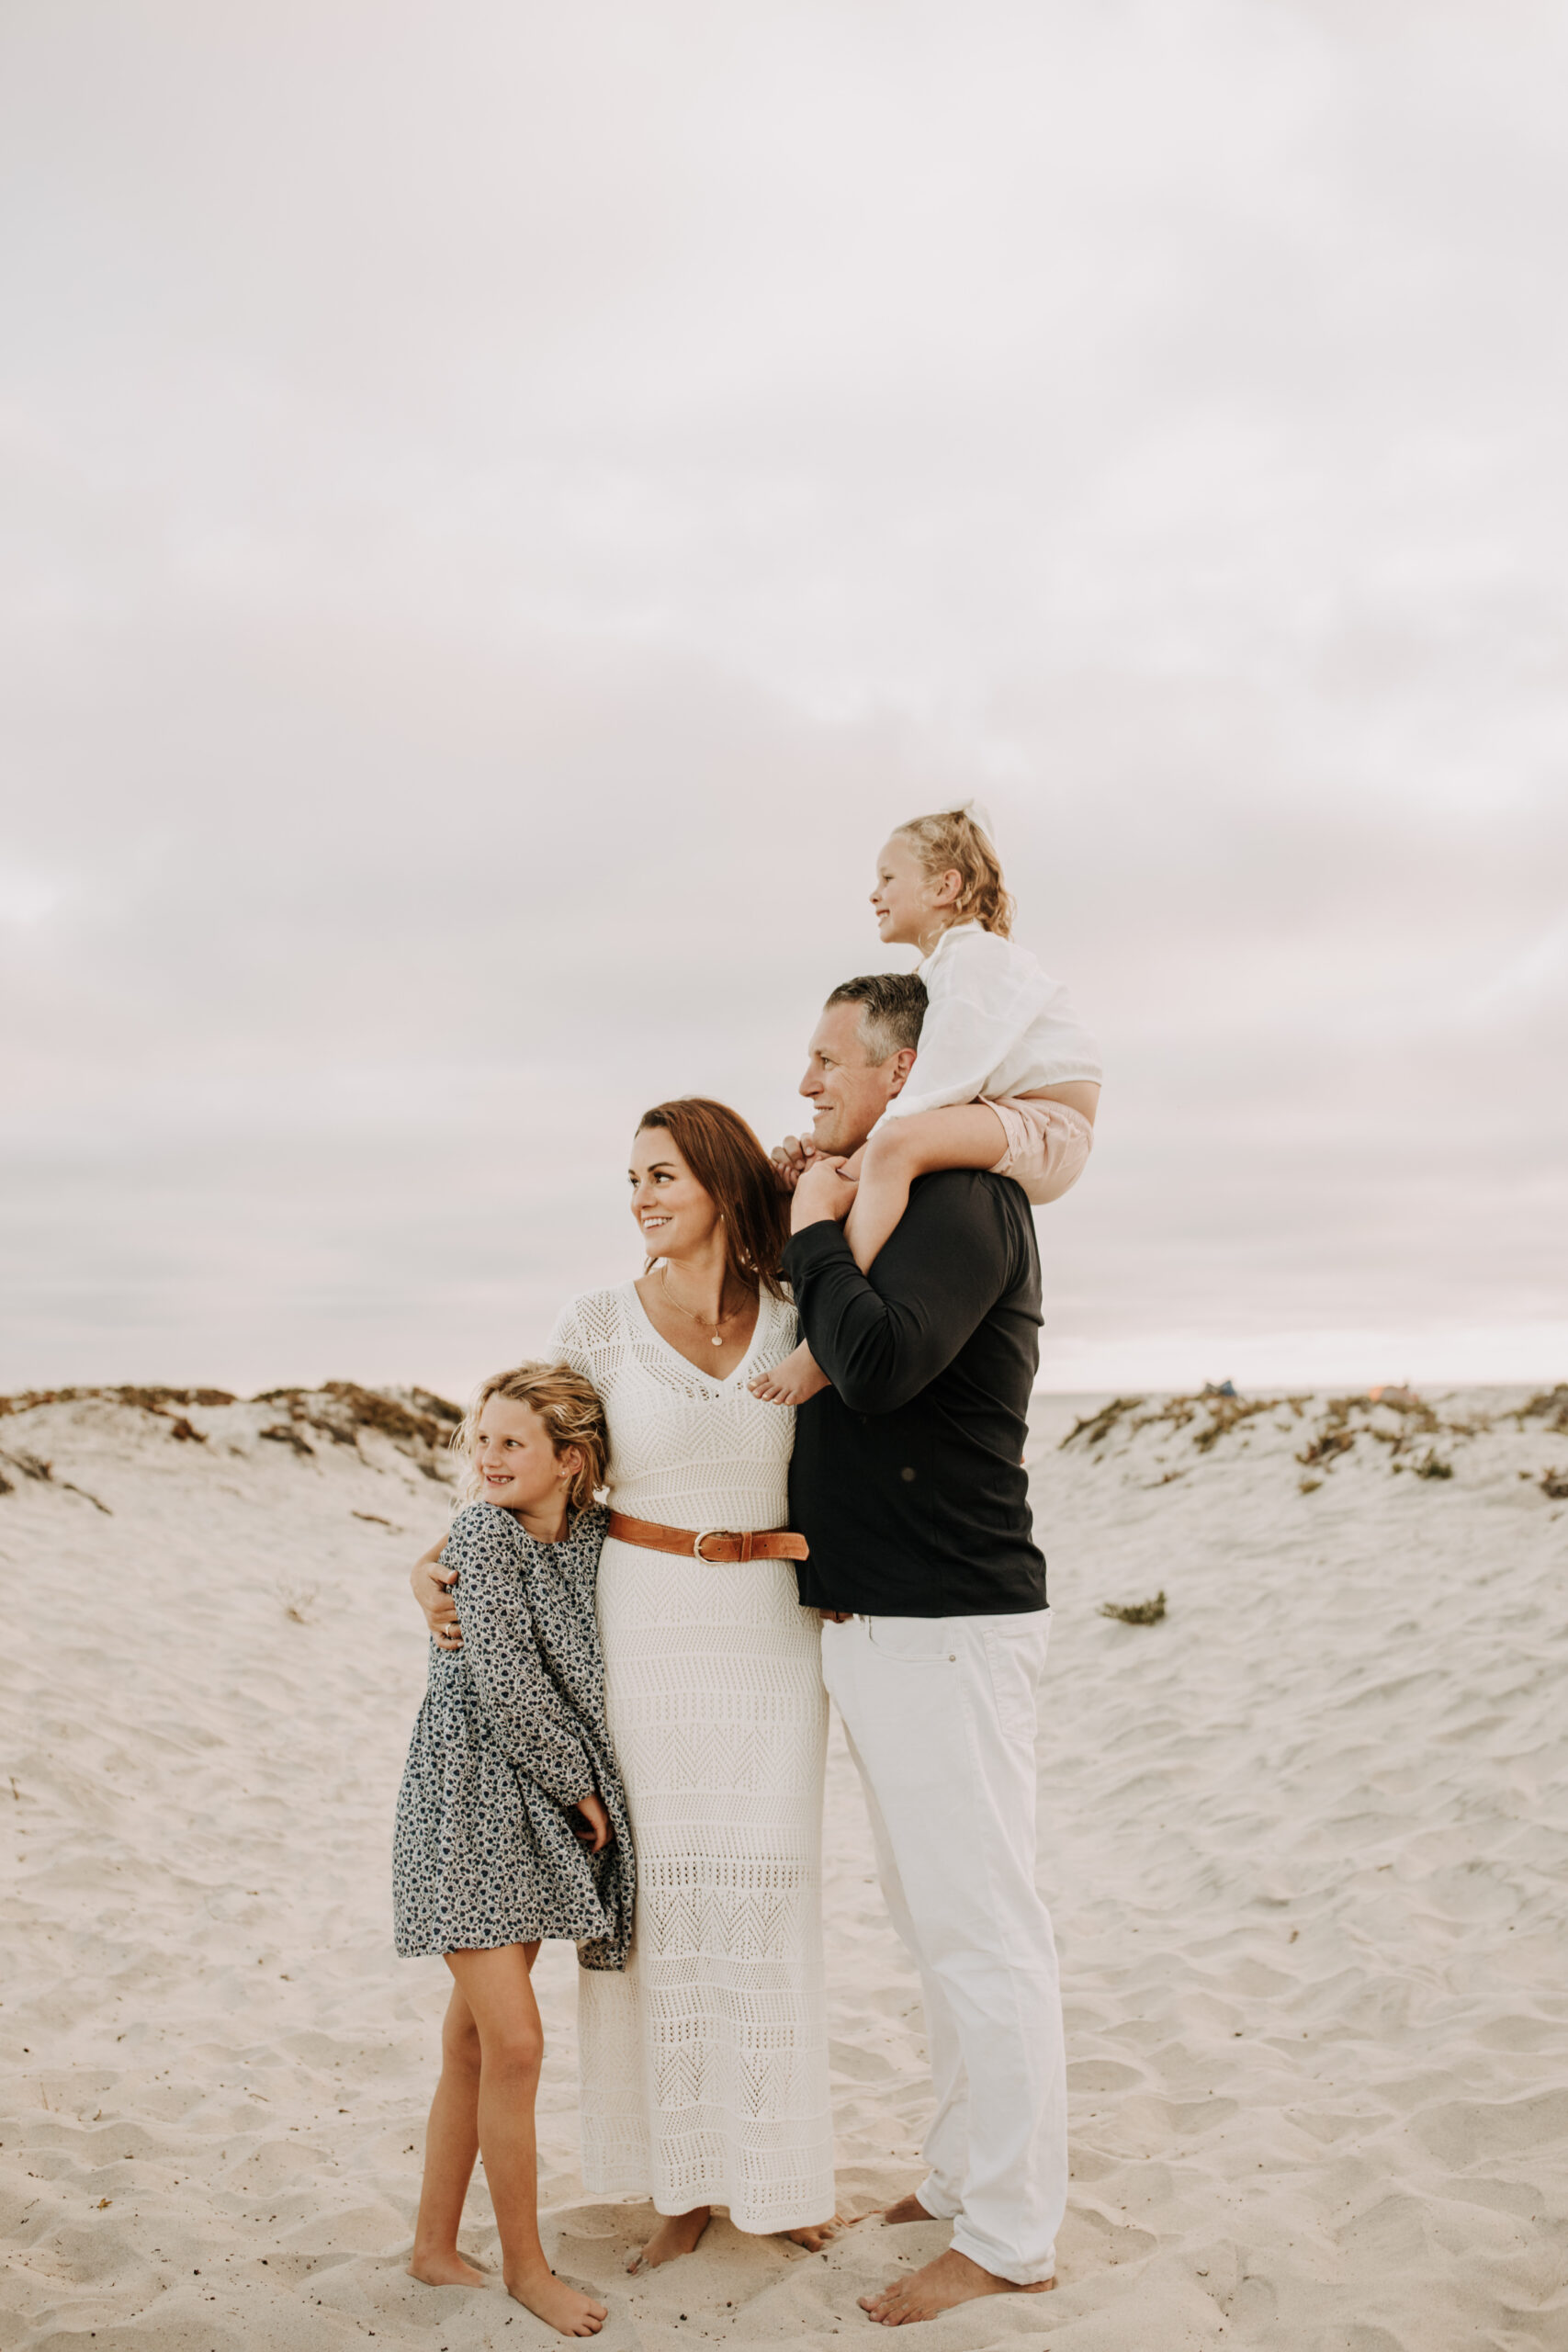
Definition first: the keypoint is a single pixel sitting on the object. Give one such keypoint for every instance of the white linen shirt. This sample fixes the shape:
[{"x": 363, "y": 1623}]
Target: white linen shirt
[{"x": 995, "y": 1024}]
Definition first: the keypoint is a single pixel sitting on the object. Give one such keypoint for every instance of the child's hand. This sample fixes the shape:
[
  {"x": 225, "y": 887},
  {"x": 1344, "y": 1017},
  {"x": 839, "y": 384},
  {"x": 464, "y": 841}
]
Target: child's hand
[
  {"x": 594, "y": 1830},
  {"x": 791, "y": 1160}
]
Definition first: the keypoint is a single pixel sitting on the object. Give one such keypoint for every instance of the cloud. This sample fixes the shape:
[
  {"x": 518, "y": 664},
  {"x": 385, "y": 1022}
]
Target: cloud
[{"x": 509, "y": 507}]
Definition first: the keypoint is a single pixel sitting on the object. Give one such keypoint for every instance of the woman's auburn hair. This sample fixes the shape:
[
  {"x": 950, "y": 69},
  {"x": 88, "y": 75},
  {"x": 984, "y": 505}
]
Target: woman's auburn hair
[
  {"x": 952, "y": 840},
  {"x": 572, "y": 1414},
  {"x": 728, "y": 1159}
]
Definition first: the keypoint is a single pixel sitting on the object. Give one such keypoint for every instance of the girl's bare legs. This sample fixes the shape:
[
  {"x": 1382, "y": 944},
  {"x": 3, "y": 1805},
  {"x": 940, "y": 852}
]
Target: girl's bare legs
[
  {"x": 499, "y": 1991},
  {"x": 963, "y": 1134},
  {"x": 966, "y": 1135},
  {"x": 451, "y": 2144}
]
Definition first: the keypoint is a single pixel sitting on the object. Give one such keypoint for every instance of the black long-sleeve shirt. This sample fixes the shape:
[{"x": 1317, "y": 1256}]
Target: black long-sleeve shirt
[{"x": 908, "y": 1477}]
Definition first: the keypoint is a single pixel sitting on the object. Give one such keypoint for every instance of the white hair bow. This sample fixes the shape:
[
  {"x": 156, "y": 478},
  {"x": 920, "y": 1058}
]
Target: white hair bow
[{"x": 978, "y": 814}]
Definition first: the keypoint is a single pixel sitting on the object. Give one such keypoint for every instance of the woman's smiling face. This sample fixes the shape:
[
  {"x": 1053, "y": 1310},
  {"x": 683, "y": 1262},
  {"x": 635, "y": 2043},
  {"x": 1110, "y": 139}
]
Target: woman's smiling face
[{"x": 674, "y": 1213}]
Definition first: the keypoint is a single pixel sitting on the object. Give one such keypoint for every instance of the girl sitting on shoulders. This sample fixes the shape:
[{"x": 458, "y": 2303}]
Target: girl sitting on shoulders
[
  {"x": 1007, "y": 1077},
  {"x": 512, "y": 1824}
]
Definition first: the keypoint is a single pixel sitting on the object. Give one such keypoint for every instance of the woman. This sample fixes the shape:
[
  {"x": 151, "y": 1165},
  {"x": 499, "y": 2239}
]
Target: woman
[{"x": 705, "y": 2065}]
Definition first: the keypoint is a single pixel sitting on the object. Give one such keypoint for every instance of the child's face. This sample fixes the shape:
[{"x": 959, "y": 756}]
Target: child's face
[
  {"x": 907, "y": 898},
  {"x": 519, "y": 1468}
]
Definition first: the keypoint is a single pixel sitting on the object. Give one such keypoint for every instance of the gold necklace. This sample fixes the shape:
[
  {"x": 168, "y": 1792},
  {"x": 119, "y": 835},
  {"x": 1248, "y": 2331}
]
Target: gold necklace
[{"x": 691, "y": 1312}]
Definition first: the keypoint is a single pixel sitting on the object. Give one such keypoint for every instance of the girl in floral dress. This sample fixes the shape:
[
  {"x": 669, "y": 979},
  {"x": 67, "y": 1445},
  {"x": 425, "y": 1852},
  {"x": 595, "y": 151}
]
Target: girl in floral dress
[{"x": 511, "y": 1823}]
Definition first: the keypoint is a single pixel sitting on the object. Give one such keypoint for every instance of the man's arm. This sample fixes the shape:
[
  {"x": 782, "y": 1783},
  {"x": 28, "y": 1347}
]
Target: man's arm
[{"x": 884, "y": 1337}]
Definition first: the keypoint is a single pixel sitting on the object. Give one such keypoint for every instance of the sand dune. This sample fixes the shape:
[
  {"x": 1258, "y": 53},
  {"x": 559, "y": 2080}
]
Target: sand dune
[{"x": 1303, "y": 1838}]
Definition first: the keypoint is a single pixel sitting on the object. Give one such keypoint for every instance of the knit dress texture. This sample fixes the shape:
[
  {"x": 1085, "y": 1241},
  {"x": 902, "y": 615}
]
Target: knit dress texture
[
  {"x": 704, "y": 2066},
  {"x": 510, "y": 1736}
]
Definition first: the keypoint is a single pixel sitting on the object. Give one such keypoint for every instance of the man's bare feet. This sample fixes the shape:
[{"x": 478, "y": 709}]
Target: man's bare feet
[
  {"x": 446, "y": 2270},
  {"x": 942, "y": 2285},
  {"x": 791, "y": 1382},
  {"x": 906, "y": 2208},
  {"x": 677, "y": 2233},
  {"x": 816, "y": 2234},
  {"x": 564, "y": 2308}
]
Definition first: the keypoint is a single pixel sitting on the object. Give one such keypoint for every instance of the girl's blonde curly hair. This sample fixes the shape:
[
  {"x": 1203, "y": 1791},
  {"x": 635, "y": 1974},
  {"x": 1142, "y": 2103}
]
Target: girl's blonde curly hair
[
  {"x": 570, "y": 1408},
  {"x": 954, "y": 839}
]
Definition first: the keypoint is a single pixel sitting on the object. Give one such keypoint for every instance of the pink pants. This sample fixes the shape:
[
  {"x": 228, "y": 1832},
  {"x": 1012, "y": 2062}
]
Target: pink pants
[{"x": 1047, "y": 1145}]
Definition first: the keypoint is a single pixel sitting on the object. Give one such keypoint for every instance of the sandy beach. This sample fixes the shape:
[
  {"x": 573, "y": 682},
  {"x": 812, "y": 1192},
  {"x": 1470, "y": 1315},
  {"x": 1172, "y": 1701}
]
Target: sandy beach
[{"x": 1302, "y": 1837}]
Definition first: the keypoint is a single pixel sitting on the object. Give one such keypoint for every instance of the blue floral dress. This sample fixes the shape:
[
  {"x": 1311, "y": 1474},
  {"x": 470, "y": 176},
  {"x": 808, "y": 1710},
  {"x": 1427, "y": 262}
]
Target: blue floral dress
[{"x": 511, "y": 1734}]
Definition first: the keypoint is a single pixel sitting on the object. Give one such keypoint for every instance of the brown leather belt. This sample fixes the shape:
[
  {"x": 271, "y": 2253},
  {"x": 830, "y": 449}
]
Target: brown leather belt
[{"x": 709, "y": 1544}]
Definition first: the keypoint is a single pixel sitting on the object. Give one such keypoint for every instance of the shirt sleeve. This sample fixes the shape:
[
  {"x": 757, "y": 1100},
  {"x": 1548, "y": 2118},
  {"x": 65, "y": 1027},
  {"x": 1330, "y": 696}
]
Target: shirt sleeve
[
  {"x": 565, "y": 1343},
  {"x": 883, "y": 1337},
  {"x": 979, "y": 1012},
  {"x": 524, "y": 1711}
]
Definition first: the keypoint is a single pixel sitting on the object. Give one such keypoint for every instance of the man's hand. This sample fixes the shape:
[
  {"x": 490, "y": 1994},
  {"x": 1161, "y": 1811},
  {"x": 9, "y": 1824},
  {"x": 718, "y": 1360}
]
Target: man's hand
[
  {"x": 595, "y": 1831},
  {"x": 431, "y": 1586},
  {"x": 822, "y": 1194},
  {"x": 791, "y": 1158}
]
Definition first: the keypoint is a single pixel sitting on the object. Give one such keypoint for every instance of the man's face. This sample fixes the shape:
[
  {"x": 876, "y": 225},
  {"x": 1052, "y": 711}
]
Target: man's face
[{"x": 847, "y": 1093}]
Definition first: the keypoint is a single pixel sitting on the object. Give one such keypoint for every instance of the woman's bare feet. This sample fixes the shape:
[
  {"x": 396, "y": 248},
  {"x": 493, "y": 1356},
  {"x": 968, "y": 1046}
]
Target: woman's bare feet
[
  {"x": 447, "y": 2269},
  {"x": 941, "y": 2285},
  {"x": 564, "y": 2308},
  {"x": 677, "y": 2233},
  {"x": 816, "y": 2234},
  {"x": 791, "y": 1382}
]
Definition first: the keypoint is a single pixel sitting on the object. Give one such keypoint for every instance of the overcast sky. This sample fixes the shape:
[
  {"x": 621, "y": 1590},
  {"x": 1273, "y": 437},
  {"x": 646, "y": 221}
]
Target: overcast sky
[{"x": 508, "y": 504}]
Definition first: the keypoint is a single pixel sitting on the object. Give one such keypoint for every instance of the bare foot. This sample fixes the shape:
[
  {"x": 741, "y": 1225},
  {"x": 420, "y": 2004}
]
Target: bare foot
[
  {"x": 677, "y": 2233},
  {"x": 906, "y": 2208},
  {"x": 446, "y": 2270},
  {"x": 791, "y": 1382},
  {"x": 815, "y": 2235},
  {"x": 951, "y": 2279},
  {"x": 564, "y": 2308}
]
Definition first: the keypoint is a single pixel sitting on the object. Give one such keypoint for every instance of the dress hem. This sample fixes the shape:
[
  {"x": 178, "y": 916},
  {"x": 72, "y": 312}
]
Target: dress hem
[
  {"x": 753, "y": 2225},
  {"x": 492, "y": 1943}
]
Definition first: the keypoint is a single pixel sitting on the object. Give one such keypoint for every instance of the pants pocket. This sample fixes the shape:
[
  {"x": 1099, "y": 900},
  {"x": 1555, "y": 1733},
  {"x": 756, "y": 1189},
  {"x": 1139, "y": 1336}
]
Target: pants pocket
[
  {"x": 914, "y": 1640},
  {"x": 1015, "y": 1658}
]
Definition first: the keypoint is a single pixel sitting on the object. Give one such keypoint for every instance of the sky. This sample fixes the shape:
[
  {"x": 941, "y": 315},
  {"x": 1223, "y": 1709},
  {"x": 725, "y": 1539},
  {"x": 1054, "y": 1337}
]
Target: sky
[{"x": 505, "y": 506}]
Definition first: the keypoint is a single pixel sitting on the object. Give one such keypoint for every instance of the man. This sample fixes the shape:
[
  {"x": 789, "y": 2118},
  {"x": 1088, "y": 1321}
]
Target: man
[{"x": 907, "y": 1481}]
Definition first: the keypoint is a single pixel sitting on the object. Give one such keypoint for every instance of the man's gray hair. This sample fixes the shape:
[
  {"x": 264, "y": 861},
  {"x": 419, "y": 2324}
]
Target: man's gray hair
[{"x": 892, "y": 1005}]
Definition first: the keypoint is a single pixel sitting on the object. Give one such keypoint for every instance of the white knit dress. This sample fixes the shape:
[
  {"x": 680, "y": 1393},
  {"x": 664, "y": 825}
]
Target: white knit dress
[{"x": 704, "y": 2066}]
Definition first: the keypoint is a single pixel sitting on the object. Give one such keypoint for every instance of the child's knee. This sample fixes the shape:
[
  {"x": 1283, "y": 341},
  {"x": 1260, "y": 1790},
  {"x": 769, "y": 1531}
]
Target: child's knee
[
  {"x": 460, "y": 2045},
  {"x": 515, "y": 2055}
]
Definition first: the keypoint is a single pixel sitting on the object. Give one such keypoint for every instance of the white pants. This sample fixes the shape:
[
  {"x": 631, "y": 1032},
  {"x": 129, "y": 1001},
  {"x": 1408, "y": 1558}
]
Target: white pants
[{"x": 940, "y": 1713}]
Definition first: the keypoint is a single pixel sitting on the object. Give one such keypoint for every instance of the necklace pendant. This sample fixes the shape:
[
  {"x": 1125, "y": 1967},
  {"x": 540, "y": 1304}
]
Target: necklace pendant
[{"x": 718, "y": 1339}]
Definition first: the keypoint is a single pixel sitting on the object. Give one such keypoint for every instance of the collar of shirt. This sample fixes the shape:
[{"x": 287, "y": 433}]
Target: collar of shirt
[{"x": 953, "y": 931}]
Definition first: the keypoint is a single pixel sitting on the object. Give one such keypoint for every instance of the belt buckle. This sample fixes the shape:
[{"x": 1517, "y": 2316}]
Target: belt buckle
[{"x": 701, "y": 1537}]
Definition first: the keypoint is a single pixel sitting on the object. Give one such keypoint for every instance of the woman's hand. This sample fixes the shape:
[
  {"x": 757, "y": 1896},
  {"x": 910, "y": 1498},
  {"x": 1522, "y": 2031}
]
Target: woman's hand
[
  {"x": 431, "y": 1586},
  {"x": 595, "y": 1831}
]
